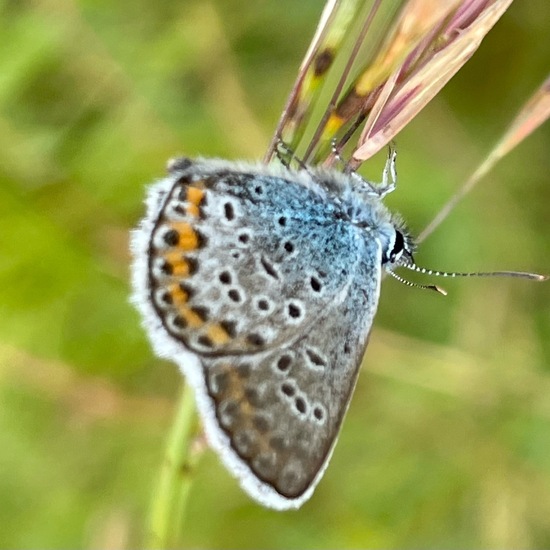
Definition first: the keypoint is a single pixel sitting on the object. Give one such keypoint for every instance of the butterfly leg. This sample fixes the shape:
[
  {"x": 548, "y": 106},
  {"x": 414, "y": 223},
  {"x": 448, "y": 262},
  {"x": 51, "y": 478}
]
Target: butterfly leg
[
  {"x": 389, "y": 175},
  {"x": 286, "y": 155}
]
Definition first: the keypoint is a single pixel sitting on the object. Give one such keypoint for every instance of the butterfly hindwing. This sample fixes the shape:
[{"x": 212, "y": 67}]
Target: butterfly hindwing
[{"x": 282, "y": 409}]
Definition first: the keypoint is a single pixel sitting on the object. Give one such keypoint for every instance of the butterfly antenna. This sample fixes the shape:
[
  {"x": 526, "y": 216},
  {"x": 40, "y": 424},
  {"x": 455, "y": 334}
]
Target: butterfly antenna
[
  {"x": 416, "y": 285},
  {"x": 516, "y": 274}
]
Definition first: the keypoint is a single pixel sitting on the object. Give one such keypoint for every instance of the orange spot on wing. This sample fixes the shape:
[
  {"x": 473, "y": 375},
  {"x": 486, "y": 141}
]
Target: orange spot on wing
[
  {"x": 181, "y": 269},
  {"x": 193, "y": 210},
  {"x": 178, "y": 263},
  {"x": 188, "y": 239},
  {"x": 195, "y": 195},
  {"x": 218, "y": 335},
  {"x": 179, "y": 296},
  {"x": 174, "y": 257},
  {"x": 193, "y": 320}
]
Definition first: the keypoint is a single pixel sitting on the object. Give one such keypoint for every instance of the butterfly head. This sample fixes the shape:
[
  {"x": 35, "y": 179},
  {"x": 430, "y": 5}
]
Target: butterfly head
[{"x": 398, "y": 245}]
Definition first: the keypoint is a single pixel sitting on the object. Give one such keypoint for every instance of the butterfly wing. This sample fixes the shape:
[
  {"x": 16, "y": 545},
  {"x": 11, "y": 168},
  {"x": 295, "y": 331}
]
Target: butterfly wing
[{"x": 265, "y": 299}]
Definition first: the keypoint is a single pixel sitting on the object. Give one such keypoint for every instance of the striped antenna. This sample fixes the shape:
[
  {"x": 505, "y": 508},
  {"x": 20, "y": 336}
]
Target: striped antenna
[
  {"x": 416, "y": 285},
  {"x": 516, "y": 274},
  {"x": 413, "y": 267}
]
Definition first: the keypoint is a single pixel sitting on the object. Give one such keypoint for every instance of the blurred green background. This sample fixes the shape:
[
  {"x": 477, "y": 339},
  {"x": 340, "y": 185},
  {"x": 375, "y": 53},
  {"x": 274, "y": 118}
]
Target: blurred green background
[{"x": 447, "y": 442}]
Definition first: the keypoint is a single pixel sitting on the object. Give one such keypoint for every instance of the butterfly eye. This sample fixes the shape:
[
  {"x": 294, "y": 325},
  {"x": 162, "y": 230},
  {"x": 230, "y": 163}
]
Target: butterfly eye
[{"x": 398, "y": 247}]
